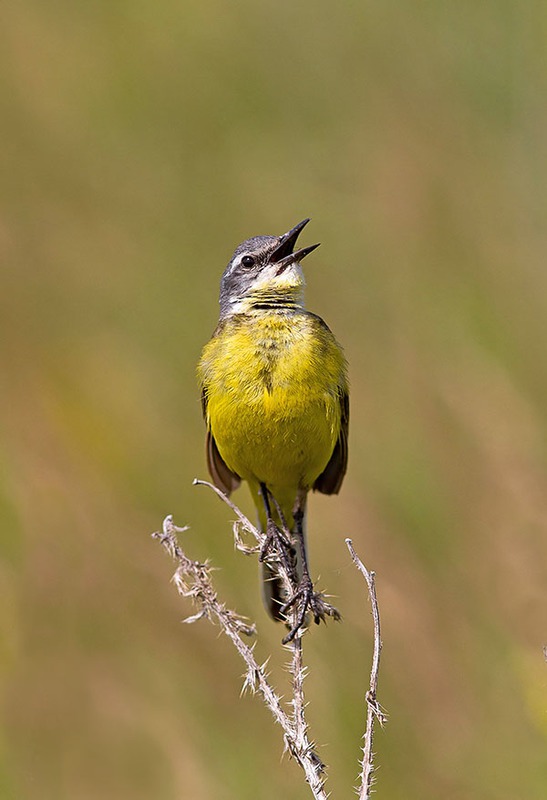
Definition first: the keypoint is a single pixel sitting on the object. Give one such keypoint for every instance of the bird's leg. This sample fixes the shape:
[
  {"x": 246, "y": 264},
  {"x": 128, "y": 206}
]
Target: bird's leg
[
  {"x": 276, "y": 537},
  {"x": 304, "y": 595}
]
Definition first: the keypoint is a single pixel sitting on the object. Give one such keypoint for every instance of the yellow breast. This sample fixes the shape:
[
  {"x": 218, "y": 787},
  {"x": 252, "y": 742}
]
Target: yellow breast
[{"x": 272, "y": 382}]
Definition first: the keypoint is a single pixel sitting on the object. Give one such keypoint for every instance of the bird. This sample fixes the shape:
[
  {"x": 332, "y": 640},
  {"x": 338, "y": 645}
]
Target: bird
[{"x": 275, "y": 400}]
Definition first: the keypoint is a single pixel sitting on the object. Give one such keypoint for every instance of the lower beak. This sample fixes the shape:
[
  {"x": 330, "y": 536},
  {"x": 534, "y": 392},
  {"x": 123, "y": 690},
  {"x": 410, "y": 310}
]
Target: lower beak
[
  {"x": 287, "y": 242},
  {"x": 294, "y": 257}
]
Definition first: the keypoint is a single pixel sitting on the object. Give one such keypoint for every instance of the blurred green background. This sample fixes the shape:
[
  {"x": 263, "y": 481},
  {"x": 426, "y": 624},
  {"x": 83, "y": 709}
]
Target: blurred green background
[{"x": 140, "y": 143}]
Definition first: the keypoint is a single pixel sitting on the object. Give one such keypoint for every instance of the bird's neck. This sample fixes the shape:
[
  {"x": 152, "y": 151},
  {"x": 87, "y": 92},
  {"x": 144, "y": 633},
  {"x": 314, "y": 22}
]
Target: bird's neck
[
  {"x": 277, "y": 297},
  {"x": 270, "y": 298}
]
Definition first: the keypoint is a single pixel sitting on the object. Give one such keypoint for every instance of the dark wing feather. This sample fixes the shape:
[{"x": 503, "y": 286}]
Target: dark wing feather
[
  {"x": 223, "y": 477},
  {"x": 330, "y": 480}
]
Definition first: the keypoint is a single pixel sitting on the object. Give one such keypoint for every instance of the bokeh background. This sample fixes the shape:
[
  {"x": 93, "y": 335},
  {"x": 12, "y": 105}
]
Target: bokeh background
[{"x": 140, "y": 142}]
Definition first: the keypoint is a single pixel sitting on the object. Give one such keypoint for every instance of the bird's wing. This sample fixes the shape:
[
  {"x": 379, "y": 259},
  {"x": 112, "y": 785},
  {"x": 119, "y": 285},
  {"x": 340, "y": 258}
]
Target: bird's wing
[
  {"x": 330, "y": 480},
  {"x": 223, "y": 477}
]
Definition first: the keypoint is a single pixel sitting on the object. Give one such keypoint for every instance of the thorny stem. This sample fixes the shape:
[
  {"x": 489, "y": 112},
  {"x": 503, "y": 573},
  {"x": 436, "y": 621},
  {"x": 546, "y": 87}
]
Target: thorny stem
[
  {"x": 298, "y": 743},
  {"x": 192, "y": 579},
  {"x": 258, "y": 535},
  {"x": 374, "y": 710}
]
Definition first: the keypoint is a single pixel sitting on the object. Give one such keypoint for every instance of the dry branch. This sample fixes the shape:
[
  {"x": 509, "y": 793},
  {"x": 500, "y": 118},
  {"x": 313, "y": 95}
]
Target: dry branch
[
  {"x": 374, "y": 710},
  {"x": 193, "y": 580}
]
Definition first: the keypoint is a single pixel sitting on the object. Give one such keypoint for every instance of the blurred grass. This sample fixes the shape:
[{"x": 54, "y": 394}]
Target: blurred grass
[{"x": 140, "y": 143}]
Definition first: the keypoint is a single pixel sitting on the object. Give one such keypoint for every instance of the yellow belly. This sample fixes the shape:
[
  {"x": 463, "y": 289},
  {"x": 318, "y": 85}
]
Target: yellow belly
[
  {"x": 279, "y": 438},
  {"x": 273, "y": 383}
]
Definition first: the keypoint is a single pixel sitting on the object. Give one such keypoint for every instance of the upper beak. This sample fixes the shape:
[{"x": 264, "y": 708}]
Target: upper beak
[{"x": 283, "y": 254}]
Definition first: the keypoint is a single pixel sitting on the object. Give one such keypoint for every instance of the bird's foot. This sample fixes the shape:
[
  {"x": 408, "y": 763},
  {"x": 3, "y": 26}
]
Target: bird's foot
[
  {"x": 303, "y": 600},
  {"x": 275, "y": 540}
]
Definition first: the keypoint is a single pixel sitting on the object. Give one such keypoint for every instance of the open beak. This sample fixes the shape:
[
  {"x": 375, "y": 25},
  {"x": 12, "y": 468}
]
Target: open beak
[{"x": 284, "y": 254}]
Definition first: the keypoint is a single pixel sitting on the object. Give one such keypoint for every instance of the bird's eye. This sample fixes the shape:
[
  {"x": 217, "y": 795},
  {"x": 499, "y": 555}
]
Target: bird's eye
[{"x": 248, "y": 261}]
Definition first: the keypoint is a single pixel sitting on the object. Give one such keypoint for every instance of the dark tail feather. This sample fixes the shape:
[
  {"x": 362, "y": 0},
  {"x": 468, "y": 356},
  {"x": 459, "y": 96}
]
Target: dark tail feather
[{"x": 273, "y": 594}]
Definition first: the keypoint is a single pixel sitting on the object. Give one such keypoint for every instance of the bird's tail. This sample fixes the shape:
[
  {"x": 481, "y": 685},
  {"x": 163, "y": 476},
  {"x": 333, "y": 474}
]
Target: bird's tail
[{"x": 273, "y": 591}]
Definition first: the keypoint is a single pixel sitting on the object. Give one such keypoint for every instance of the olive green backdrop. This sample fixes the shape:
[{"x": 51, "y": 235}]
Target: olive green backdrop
[{"x": 140, "y": 142}]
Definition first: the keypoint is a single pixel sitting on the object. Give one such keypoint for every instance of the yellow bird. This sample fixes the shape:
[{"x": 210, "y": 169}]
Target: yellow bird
[{"x": 275, "y": 397}]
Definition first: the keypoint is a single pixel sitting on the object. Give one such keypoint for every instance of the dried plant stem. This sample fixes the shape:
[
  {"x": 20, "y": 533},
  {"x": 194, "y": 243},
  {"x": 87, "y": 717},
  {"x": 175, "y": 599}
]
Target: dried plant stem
[
  {"x": 297, "y": 742},
  {"x": 374, "y": 710},
  {"x": 193, "y": 580},
  {"x": 246, "y": 523}
]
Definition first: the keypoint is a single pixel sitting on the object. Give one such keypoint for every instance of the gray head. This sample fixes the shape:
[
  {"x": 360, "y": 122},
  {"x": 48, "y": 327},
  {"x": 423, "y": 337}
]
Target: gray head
[{"x": 264, "y": 270}]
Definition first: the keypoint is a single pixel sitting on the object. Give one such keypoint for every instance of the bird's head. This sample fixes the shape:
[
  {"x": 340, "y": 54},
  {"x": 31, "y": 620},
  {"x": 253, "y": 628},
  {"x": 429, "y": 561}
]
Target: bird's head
[{"x": 264, "y": 270}]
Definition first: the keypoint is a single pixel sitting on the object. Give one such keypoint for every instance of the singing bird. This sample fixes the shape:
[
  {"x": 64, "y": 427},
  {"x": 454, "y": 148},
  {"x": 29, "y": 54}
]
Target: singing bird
[{"x": 275, "y": 396}]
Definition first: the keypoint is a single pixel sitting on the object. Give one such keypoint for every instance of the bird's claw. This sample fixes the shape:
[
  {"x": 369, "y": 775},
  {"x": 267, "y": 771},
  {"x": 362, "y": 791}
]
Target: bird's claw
[
  {"x": 311, "y": 601},
  {"x": 276, "y": 540}
]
